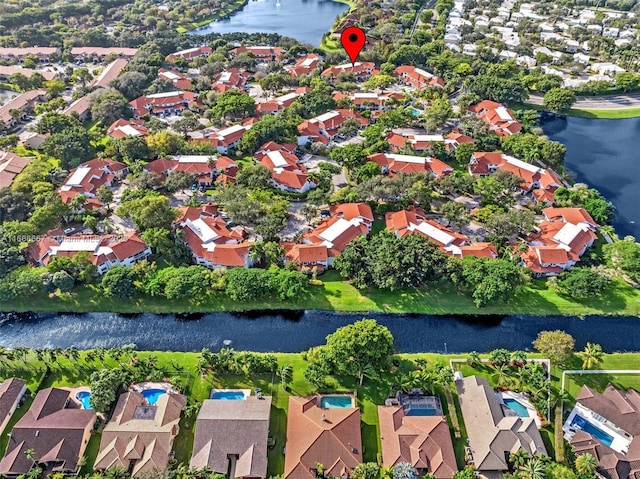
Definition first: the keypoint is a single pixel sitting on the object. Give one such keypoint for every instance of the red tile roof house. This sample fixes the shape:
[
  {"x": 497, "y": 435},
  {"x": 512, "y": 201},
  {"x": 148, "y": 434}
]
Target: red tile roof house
[
  {"x": 11, "y": 393},
  {"x": 101, "y": 52},
  {"x": 499, "y": 119},
  {"x": 278, "y": 104},
  {"x": 227, "y": 139},
  {"x": 24, "y": 102},
  {"x": 348, "y": 221},
  {"x": 371, "y": 101},
  {"x": 164, "y": 104},
  {"x": 60, "y": 438},
  {"x": 261, "y": 53},
  {"x": 7, "y": 71},
  {"x": 392, "y": 164},
  {"x": 424, "y": 143},
  {"x": 361, "y": 70},
  {"x": 417, "y": 78},
  {"x": 286, "y": 173},
  {"x": 413, "y": 220},
  {"x": 80, "y": 107},
  {"x": 228, "y": 80},
  {"x": 539, "y": 183},
  {"x": 177, "y": 80},
  {"x": 316, "y": 435},
  {"x": 201, "y": 165},
  {"x": 617, "y": 413},
  {"x": 326, "y": 125},
  {"x": 123, "y": 128},
  {"x": 88, "y": 177},
  {"x": 560, "y": 241},
  {"x": 109, "y": 73},
  {"x": 11, "y": 165},
  {"x": 212, "y": 244},
  {"x": 190, "y": 53},
  {"x": 43, "y": 53},
  {"x": 307, "y": 255},
  {"x": 422, "y": 441},
  {"x": 305, "y": 65},
  {"x": 107, "y": 250}
]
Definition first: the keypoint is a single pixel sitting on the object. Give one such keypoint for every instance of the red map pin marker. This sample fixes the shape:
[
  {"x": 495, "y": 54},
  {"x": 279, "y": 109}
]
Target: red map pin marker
[{"x": 353, "y": 40}]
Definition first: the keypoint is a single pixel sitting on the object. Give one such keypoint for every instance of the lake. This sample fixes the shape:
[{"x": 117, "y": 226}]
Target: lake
[
  {"x": 605, "y": 155},
  {"x": 298, "y": 331},
  {"x": 305, "y": 20}
]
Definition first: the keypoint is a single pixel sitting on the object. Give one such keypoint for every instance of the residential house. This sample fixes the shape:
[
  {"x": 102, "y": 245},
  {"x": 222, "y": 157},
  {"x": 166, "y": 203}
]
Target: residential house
[
  {"x": 305, "y": 65},
  {"x": 391, "y": 164},
  {"x": 607, "y": 426},
  {"x": 12, "y": 391},
  {"x": 361, "y": 70},
  {"x": 422, "y": 441},
  {"x": 164, "y": 104},
  {"x": 24, "y": 104},
  {"x": 11, "y": 165},
  {"x": 264, "y": 53},
  {"x": 317, "y": 435},
  {"x": 540, "y": 183},
  {"x": 43, "y": 53},
  {"x": 88, "y": 177},
  {"x": 494, "y": 431},
  {"x": 139, "y": 437},
  {"x": 227, "y": 139},
  {"x": 413, "y": 221},
  {"x": 54, "y": 430},
  {"x": 80, "y": 108},
  {"x": 203, "y": 166},
  {"x": 326, "y": 125},
  {"x": 211, "y": 242},
  {"x": 228, "y": 80},
  {"x": 417, "y": 77},
  {"x": 81, "y": 53},
  {"x": 371, "y": 101},
  {"x": 110, "y": 73},
  {"x": 498, "y": 118},
  {"x": 278, "y": 104},
  {"x": 123, "y": 128},
  {"x": 105, "y": 251},
  {"x": 231, "y": 437},
  {"x": 307, "y": 256},
  {"x": 7, "y": 71},
  {"x": 175, "y": 78},
  {"x": 286, "y": 173},
  {"x": 190, "y": 54}
]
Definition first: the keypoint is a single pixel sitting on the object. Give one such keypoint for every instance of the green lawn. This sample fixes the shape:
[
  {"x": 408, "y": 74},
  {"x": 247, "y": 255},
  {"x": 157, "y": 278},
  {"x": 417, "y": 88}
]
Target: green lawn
[
  {"x": 337, "y": 295},
  {"x": 613, "y": 113}
]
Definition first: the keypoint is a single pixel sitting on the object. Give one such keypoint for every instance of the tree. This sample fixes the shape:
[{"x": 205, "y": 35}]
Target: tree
[
  {"x": 286, "y": 375},
  {"x": 380, "y": 81},
  {"x": 582, "y": 283},
  {"x": 559, "y": 100},
  {"x": 586, "y": 464},
  {"x": 53, "y": 122},
  {"x": 131, "y": 84},
  {"x": 556, "y": 345},
  {"x": 404, "y": 470},
  {"x": 456, "y": 214},
  {"x": 366, "y": 171},
  {"x": 71, "y": 147},
  {"x": 437, "y": 114},
  {"x": 107, "y": 105},
  {"x": 367, "y": 470},
  {"x": 186, "y": 124},
  {"x": 105, "y": 196},
  {"x": 591, "y": 356},
  {"x": 180, "y": 181},
  {"x": 534, "y": 468},
  {"x": 158, "y": 239},
  {"x": 490, "y": 280},
  {"x": 63, "y": 281},
  {"x": 164, "y": 143},
  {"x": 147, "y": 180},
  {"x": 352, "y": 348},
  {"x": 81, "y": 75},
  {"x": 234, "y": 104},
  {"x": 626, "y": 81},
  {"x": 468, "y": 472},
  {"x": 149, "y": 212},
  {"x": 118, "y": 282},
  {"x": 624, "y": 255},
  {"x": 510, "y": 223},
  {"x": 254, "y": 176}
]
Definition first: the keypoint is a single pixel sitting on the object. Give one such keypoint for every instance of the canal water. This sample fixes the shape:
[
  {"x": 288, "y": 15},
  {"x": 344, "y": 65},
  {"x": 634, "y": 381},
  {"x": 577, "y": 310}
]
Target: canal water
[
  {"x": 305, "y": 20},
  {"x": 605, "y": 154},
  {"x": 298, "y": 331}
]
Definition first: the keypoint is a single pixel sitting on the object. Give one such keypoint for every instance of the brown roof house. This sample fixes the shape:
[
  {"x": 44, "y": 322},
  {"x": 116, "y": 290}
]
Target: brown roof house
[
  {"x": 494, "y": 433},
  {"x": 11, "y": 392},
  {"x": 422, "y": 441},
  {"x": 607, "y": 426},
  {"x": 319, "y": 435},
  {"x": 56, "y": 432},
  {"x": 139, "y": 436},
  {"x": 231, "y": 437}
]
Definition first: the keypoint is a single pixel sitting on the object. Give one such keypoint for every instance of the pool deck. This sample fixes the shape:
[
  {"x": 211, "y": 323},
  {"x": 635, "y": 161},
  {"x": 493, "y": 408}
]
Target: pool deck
[
  {"x": 350, "y": 396},
  {"x": 139, "y": 387},
  {"x": 524, "y": 401},
  {"x": 620, "y": 442},
  {"x": 75, "y": 391}
]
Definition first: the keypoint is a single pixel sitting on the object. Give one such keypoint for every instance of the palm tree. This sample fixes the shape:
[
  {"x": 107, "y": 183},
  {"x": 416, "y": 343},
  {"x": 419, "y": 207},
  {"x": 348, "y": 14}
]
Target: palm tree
[
  {"x": 519, "y": 458},
  {"x": 586, "y": 464},
  {"x": 369, "y": 372},
  {"x": 591, "y": 356},
  {"x": 286, "y": 375},
  {"x": 501, "y": 374},
  {"x": 474, "y": 359},
  {"x": 533, "y": 469}
]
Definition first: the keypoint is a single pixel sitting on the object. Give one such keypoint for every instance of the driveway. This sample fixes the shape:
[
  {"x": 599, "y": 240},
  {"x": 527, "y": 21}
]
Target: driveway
[{"x": 605, "y": 102}]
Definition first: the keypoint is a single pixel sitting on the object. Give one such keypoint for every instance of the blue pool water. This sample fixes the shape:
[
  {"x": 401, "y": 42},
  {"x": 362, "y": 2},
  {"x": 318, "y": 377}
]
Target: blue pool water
[
  {"x": 516, "y": 406},
  {"x": 579, "y": 422},
  {"x": 83, "y": 397},
  {"x": 420, "y": 411},
  {"x": 152, "y": 395},
  {"x": 228, "y": 395},
  {"x": 336, "y": 401},
  {"x": 415, "y": 111}
]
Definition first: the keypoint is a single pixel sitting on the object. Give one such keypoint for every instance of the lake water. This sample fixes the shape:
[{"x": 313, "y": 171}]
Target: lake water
[
  {"x": 297, "y": 331},
  {"x": 305, "y": 20},
  {"x": 605, "y": 154}
]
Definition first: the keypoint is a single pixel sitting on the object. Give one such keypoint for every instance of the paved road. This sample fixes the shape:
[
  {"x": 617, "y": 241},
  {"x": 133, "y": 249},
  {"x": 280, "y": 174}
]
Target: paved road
[{"x": 608, "y": 102}]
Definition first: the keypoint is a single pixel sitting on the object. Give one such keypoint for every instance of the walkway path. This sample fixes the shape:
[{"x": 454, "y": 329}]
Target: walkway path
[{"x": 605, "y": 102}]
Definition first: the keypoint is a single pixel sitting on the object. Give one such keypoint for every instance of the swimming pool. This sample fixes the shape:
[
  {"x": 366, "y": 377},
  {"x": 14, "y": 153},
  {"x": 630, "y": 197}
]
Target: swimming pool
[
  {"x": 336, "y": 401},
  {"x": 84, "y": 397},
  {"x": 581, "y": 423},
  {"x": 516, "y": 406},
  {"x": 228, "y": 395},
  {"x": 415, "y": 111},
  {"x": 420, "y": 411},
  {"x": 152, "y": 395}
]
